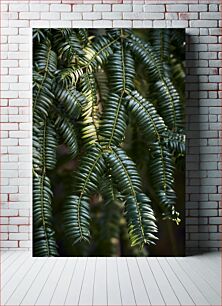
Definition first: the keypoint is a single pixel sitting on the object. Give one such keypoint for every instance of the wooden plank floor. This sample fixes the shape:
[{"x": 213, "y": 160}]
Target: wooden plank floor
[{"x": 193, "y": 280}]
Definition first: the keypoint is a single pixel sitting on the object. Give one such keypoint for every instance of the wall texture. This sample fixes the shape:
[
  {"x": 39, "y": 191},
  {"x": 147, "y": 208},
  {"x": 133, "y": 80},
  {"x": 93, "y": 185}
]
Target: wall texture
[{"x": 202, "y": 21}]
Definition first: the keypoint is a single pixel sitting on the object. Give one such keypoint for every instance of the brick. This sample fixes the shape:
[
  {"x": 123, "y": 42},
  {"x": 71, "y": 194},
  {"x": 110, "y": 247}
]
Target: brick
[
  {"x": 25, "y": 244},
  {"x": 180, "y": 23},
  {"x": 121, "y": 7},
  {"x": 9, "y": 212},
  {"x": 18, "y": 23},
  {"x": 82, "y": 23},
  {"x": 122, "y": 23},
  {"x": 60, "y": 8},
  {"x": 154, "y": 8},
  {"x": 29, "y": 15},
  {"x": 112, "y": 15},
  {"x": 38, "y": 7},
  {"x": 71, "y": 16},
  {"x": 24, "y": 229},
  {"x": 102, "y": 23},
  {"x": 161, "y": 23},
  {"x": 22, "y": 7},
  {"x": 215, "y": 220},
  {"x": 137, "y": 8},
  {"x": 208, "y": 213},
  {"x": 215, "y": 236},
  {"x": 171, "y": 16},
  {"x": 213, "y": 7},
  {"x": 210, "y": 15},
  {"x": 18, "y": 236},
  {"x": 8, "y": 244},
  {"x": 203, "y": 23},
  {"x": 50, "y": 16},
  {"x": 102, "y": 7},
  {"x": 82, "y": 8},
  {"x": 177, "y": 8},
  {"x": 18, "y": 220},
  {"x": 92, "y": 15},
  {"x": 9, "y": 126},
  {"x": 199, "y": 7},
  {"x": 199, "y": 236}
]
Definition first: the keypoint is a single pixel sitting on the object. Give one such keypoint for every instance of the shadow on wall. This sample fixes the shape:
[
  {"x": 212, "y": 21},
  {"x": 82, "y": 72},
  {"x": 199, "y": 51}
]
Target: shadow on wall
[{"x": 193, "y": 192}]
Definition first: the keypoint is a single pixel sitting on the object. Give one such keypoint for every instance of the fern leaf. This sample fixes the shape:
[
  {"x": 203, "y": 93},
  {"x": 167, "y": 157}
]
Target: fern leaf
[
  {"x": 89, "y": 172},
  {"x": 102, "y": 85},
  {"x": 161, "y": 169},
  {"x": 44, "y": 238},
  {"x": 67, "y": 132},
  {"x": 175, "y": 141},
  {"x": 90, "y": 113},
  {"x": 45, "y": 59},
  {"x": 139, "y": 214},
  {"x": 140, "y": 220},
  {"x": 161, "y": 46},
  {"x": 44, "y": 244},
  {"x": 68, "y": 45},
  {"x": 146, "y": 116},
  {"x": 43, "y": 97},
  {"x": 121, "y": 69},
  {"x": 97, "y": 53},
  {"x": 123, "y": 171},
  {"x": 77, "y": 218},
  {"x": 82, "y": 35},
  {"x": 145, "y": 54},
  {"x": 70, "y": 101},
  {"x": 113, "y": 121},
  {"x": 69, "y": 76},
  {"x": 171, "y": 109},
  {"x": 44, "y": 147}
]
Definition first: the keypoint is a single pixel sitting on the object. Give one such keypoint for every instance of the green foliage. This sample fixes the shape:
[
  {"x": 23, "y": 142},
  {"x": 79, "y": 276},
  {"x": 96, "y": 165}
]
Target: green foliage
[{"x": 86, "y": 94}]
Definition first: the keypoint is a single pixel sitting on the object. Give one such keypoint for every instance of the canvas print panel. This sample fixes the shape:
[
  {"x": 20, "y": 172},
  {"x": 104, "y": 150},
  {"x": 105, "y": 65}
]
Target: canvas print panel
[{"x": 108, "y": 142}]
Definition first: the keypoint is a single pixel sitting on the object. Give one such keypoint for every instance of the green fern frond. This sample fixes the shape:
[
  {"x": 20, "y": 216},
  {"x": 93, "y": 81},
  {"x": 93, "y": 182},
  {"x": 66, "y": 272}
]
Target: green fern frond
[
  {"x": 82, "y": 35},
  {"x": 44, "y": 244},
  {"x": 43, "y": 97},
  {"x": 145, "y": 54},
  {"x": 161, "y": 170},
  {"x": 90, "y": 113},
  {"x": 44, "y": 147},
  {"x": 175, "y": 141},
  {"x": 44, "y": 238},
  {"x": 102, "y": 85},
  {"x": 123, "y": 171},
  {"x": 69, "y": 76},
  {"x": 121, "y": 70},
  {"x": 45, "y": 59},
  {"x": 76, "y": 218},
  {"x": 68, "y": 46},
  {"x": 42, "y": 196},
  {"x": 113, "y": 121},
  {"x": 171, "y": 110},
  {"x": 140, "y": 220},
  {"x": 160, "y": 39},
  {"x": 88, "y": 175},
  {"x": 67, "y": 131},
  {"x": 97, "y": 53},
  {"x": 69, "y": 101},
  {"x": 39, "y": 35},
  {"x": 145, "y": 114}
]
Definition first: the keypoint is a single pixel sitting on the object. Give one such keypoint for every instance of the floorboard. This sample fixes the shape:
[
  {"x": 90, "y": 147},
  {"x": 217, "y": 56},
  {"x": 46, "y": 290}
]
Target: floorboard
[{"x": 193, "y": 280}]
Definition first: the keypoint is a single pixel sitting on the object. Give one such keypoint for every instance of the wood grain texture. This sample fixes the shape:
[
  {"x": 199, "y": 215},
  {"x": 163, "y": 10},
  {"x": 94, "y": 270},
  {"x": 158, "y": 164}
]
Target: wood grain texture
[{"x": 110, "y": 281}]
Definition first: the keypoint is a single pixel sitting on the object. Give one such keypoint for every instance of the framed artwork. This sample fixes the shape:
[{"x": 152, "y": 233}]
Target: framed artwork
[{"x": 108, "y": 142}]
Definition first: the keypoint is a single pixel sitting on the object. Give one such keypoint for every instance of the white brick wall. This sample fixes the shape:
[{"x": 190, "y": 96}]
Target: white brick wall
[{"x": 201, "y": 20}]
